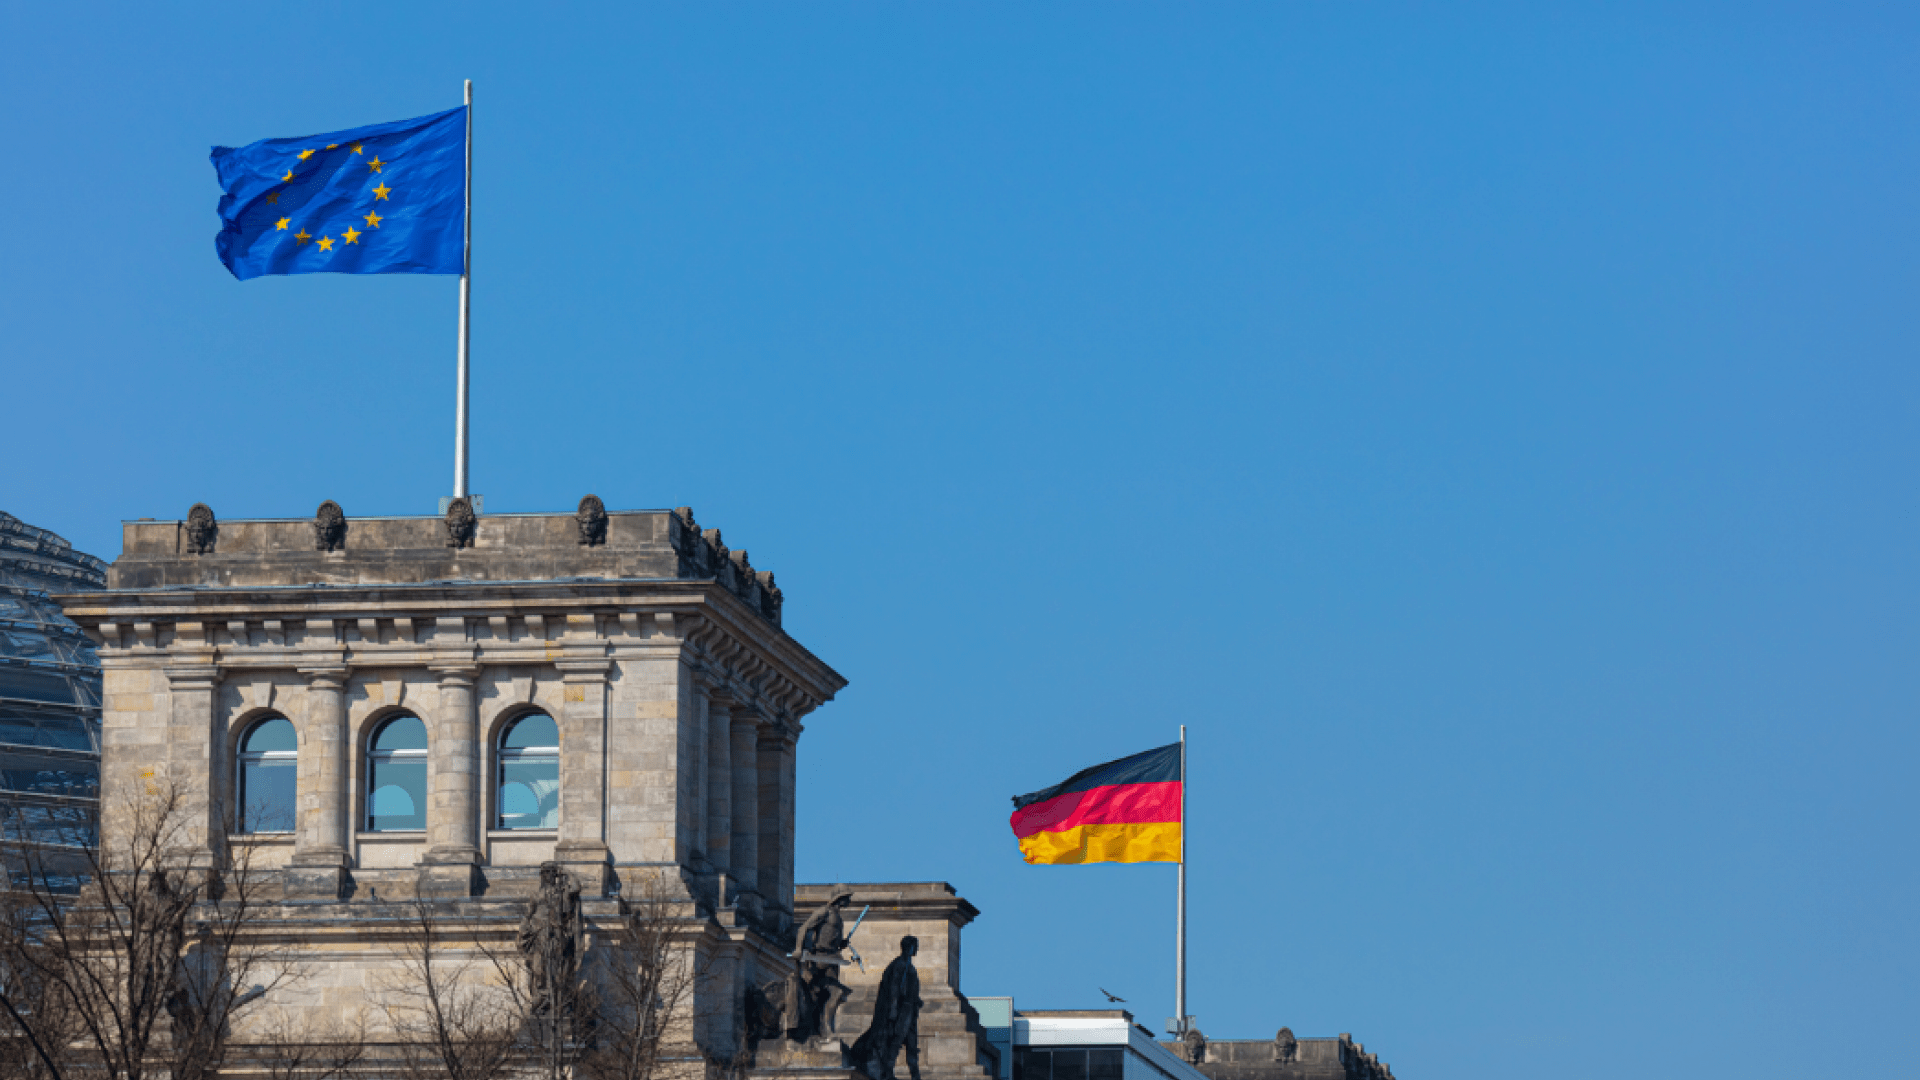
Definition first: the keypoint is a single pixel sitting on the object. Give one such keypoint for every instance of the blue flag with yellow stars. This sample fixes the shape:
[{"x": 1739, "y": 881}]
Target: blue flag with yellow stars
[{"x": 381, "y": 199}]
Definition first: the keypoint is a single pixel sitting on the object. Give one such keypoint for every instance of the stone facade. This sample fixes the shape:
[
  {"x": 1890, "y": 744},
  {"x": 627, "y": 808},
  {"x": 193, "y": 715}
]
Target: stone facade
[{"x": 656, "y": 650}]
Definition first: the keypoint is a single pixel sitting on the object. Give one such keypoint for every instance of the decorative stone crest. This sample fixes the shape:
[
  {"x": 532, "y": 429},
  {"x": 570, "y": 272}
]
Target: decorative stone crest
[
  {"x": 593, "y": 521},
  {"x": 705, "y": 554},
  {"x": 1193, "y": 1046},
  {"x": 202, "y": 530},
  {"x": 329, "y": 527},
  {"x": 461, "y": 524},
  {"x": 1285, "y": 1046}
]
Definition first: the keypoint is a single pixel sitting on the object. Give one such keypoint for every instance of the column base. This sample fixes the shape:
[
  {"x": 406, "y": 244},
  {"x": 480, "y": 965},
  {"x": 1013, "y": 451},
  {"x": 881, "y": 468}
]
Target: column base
[
  {"x": 316, "y": 882},
  {"x": 448, "y": 881},
  {"x": 590, "y": 863}
]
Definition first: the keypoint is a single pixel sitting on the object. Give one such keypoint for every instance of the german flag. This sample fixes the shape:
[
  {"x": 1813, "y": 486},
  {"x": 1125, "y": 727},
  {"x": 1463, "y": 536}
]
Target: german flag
[{"x": 1123, "y": 811}]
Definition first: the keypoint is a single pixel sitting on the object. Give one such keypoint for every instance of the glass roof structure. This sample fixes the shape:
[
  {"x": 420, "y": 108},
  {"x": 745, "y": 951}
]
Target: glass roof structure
[{"x": 49, "y": 706}]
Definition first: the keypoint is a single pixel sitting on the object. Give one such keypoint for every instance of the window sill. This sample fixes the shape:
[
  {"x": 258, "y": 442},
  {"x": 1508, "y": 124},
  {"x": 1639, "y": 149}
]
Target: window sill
[
  {"x": 531, "y": 834},
  {"x": 414, "y": 836},
  {"x": 260, "y": 838}
]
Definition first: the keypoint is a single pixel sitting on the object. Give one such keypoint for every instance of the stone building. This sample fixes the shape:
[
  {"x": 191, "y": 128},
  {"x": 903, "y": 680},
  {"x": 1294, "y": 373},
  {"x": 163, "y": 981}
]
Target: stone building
[
  {"x": 381, "y": 709},
  {"x": 49, "y": 708},
  {"x": 1283, "y": 1057}
]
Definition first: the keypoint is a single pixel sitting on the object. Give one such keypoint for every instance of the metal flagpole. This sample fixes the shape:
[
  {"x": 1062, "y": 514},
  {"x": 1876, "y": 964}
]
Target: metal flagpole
[
  {"x": 466, "y": 288},
  {"x": 1180, "y": 906}
]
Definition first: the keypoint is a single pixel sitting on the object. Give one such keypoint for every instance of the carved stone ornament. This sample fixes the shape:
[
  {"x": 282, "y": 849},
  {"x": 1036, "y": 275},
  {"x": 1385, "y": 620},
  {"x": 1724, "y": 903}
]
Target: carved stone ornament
[
  {"x": 202, "y": 530},
  {"x": 593, "y": 521},
  {"x": 329, "y": 527},
  {"x": 461, "y": 524},
  {"x": 1193, "y": 1046},
  {"x": 1285, "y": 1046}
]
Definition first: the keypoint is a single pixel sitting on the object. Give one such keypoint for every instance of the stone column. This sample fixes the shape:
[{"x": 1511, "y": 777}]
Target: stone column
[
  {"x": 450, "y": 867},
  {"x": 583, "y": 774},
  {"x": 324, "y": 790},
  {"x": 697, "y": 855},
  {"x": 720, "y": 791},
  {"x": 192, "y": 769},
  {"x": 776, "y": 818},
  {"x": 743, "y": 861}
]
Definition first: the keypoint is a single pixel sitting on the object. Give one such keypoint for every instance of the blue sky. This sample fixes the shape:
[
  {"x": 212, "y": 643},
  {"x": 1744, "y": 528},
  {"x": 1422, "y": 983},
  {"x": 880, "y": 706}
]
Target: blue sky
[{"x": 1492, "y": 431}]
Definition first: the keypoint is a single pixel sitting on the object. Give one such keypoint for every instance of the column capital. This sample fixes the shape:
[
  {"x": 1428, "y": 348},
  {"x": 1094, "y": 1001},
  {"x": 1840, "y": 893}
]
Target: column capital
[
  {"x": 584, "y": 669},
  {"x": 192, "y": 676},
  {"x": 457, "y": 673},
  {"x": 325, "y": 678}
]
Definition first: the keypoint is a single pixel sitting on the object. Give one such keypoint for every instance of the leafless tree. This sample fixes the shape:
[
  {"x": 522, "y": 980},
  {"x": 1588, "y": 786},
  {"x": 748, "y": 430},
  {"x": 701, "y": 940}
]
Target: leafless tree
[
  {"x": 451, "y": 1016},
  {"x": 327, "y": 1051},
  {"x": 145, "y": 970},
  {"x": 651, "y": 976}
]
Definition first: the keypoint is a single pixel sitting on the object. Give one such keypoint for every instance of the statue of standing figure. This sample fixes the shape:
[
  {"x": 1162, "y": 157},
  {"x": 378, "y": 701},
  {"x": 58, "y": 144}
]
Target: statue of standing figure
[
  {"x": 550, "y": 938},
  {"x": 814, "y": 991},
  {"x": 896, "y": 1019}
]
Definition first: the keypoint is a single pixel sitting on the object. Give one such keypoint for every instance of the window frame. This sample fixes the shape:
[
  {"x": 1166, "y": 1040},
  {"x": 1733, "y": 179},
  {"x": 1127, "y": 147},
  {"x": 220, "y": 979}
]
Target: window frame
[
  {"x": 242, "y": 757},
  {"x": 374, "y": 758},
  {"x": 503, "y": 756}
]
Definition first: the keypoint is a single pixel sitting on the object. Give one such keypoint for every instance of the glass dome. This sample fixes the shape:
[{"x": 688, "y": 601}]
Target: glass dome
[{"x": 49, "y": 706}]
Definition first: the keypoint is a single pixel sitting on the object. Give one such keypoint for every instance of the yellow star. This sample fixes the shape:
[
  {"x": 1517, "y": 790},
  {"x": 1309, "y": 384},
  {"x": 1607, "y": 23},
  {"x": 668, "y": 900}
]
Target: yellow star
[
  {"x": 272, "y": 197},
  {"x": 381, "y": 192},
  {"x": 283, "y": 223},
  {"x": 287, "y": 177},
  {"x": 350, "y": 236},
  {"x": 326, "y": 243},
  {"x": 331, "y": 145},
  {"x": 301, "y": 237},
  {"x": 357, "y": 146},
  {"x": 305, "y": 154},
  {"x": 375, "y": 163},
  {"x": 373, "y": 220}
]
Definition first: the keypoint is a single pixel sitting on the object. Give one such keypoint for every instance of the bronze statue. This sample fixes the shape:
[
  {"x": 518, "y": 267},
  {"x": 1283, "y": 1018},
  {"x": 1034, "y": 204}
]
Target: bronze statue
[
  {"x": 896, "y": 1019},
  {"x": 814, "y": 990},
  {"x": 550, "y": 938}
]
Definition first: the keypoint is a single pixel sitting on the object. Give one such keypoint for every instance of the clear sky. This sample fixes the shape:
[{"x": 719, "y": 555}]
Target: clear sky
[{"x": 1492, "y": 432}]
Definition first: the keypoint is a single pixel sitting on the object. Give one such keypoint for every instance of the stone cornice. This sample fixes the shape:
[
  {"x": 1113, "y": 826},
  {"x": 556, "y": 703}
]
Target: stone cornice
[{"x": 464, "y": 624}]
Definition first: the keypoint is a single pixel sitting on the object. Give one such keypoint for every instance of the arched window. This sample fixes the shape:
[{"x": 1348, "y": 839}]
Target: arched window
[
  {"x": 397, "y": 775},
  {"x": 529, "y": 795},
  {"x": 264, "y": 776}
]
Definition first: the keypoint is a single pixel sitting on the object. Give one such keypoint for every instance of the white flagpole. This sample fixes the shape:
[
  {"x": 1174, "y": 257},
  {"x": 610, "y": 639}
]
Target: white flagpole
[
  {"x": 466, "y": 288},
  {"x": 1180, "y": 906}
]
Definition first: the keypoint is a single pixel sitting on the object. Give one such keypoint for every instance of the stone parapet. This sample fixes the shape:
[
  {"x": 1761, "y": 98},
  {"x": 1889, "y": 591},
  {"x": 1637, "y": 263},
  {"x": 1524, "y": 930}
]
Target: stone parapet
[
  {"x": 332, "y": 549},
  {"x": 1287, "y": 1058}
]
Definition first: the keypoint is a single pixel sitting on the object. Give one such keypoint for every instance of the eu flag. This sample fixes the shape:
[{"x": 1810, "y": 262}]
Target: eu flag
[{"x": 381, "y": 199}]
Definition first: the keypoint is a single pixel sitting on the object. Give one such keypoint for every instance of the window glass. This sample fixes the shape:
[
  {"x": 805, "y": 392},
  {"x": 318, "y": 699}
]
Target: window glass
[
  {"x": 401, "y": 733},
  {"x": 272, "y": 734},
  {"x": 1069, "y": 1065},
  {"x": 268, "y": 766},
  {"x": 1030, "y": 1064},
  {"x": 1105, "y": 1064},
  {"x": 534, "y": 729},
  {"x": 397, "y": 776},
  {"x": 528, "y": 793}
]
